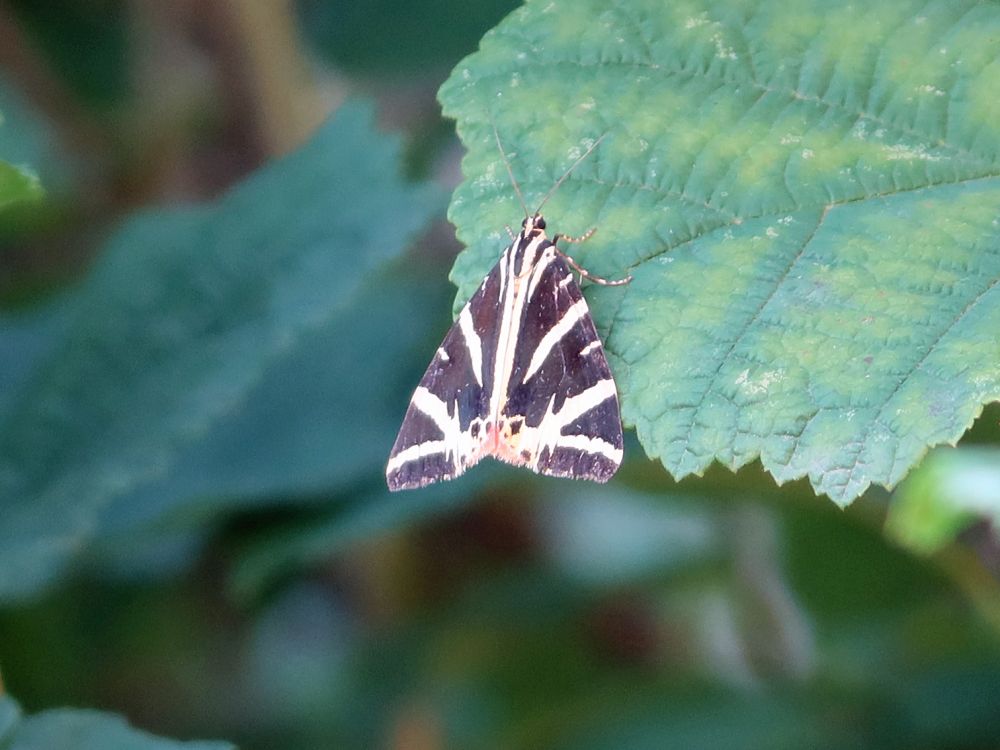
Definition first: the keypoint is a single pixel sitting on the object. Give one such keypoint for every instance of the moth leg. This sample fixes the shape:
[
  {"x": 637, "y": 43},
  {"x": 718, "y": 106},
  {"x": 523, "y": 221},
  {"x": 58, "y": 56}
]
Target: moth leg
[
  {"x": 584, "y": 273},
  {"x": 509, "y": 232},
  {"x": 582, "y": 238}
]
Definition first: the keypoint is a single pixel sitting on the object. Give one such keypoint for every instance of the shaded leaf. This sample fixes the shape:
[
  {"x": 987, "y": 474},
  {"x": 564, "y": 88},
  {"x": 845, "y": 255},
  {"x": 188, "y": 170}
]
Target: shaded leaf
[
  {"x": 17, "y": 184},
  {"x": 27, "y": 137},
  {"x": 318, "y": 422},
  {"x": 179, "y": 321},
  {"x": 10, "y": 715},
  {"x": 352, "y": 34},
  {"x": 87, "y": 44},
  {"x": 78, "y": 729},
  {"x": 808, "y": 197},
  {"x": 25, "y": 339}
]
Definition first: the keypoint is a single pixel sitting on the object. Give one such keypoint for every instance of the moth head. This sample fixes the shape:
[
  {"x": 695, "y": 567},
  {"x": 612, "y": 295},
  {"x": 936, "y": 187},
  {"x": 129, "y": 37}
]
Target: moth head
[{"x": 533, "y": 224}]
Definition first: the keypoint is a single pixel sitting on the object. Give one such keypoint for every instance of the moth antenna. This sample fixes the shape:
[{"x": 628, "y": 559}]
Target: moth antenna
[
  {"x": 566, "y": 174},
  {"x": 506, "y": 163}
]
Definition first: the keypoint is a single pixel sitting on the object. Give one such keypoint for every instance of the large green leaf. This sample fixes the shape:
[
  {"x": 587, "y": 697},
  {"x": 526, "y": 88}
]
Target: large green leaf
[
  {"x": 299, "y": 431},
  {"x": 807, "y": 195},
  {"x": 176, "y": 325},
  {"x": 77, "y": 729}
]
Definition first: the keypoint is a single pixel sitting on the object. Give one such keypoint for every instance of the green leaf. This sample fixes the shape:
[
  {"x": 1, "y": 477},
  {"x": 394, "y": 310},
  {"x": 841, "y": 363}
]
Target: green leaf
[
  {"x": 28, "y": 137},
  {"x": 18, "y": 181},
  {"x": 352, "y": 35},
  {"x": 17, "y": 184},
  {"x": 77, "y": 729},
  {"x": 298, "y": 433},
  {"x": 807, "y": 195},
  {"x": 10, "y": 715},
  {"x": 179, "y": 321},
  {"x": 948, "y": 493}
]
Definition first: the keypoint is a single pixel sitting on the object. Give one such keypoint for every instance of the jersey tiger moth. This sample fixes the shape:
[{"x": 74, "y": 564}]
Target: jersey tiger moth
[{"x": 521, "y": 376}]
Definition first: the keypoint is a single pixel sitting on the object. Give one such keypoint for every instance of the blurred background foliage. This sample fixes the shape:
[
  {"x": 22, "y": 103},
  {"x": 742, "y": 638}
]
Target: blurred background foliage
[{"x": 211, "y": 322}]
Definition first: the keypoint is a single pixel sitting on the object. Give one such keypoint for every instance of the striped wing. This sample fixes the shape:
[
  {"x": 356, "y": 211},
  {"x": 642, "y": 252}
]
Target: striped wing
[
  {"x": 521, "y": 377},
  {"x": 561, "y": 414},
  {"x": 443, "y": 433}
]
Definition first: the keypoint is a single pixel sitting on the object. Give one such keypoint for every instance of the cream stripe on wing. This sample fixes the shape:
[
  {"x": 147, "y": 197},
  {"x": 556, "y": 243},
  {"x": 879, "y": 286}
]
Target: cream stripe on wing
[
  {"x": 427, "y": 448},
  {"x": 434, "y": 408},
  {"x": 552, "y": 337},
  {"x": 502, "y": 340},
  {"x": 591, "y": 445},
  {"x": 473, "y": 343},
  {"x": 549, "y": 431},
  {"x": 455, "y": 444},
  {"x": 578, "y": 405},
  {"x": 545, "y": 257},
  {"x": 516, "y": 293}
]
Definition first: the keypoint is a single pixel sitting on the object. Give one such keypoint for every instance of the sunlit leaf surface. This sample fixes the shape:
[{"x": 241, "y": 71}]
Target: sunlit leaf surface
[{"x": 807, "y": 195}]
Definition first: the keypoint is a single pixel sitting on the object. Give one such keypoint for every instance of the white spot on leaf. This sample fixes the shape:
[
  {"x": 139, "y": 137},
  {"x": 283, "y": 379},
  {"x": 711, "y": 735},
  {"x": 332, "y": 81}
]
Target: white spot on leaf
[
  {"x": 722, "y": 50},
  {"x": 759, "y": 384},
  {"x": 901, "y": 152}
]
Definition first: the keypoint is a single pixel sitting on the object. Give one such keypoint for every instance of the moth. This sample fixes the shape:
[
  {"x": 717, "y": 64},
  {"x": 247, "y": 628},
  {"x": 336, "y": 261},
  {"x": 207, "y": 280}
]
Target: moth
[{"x": 521, "y": 376}]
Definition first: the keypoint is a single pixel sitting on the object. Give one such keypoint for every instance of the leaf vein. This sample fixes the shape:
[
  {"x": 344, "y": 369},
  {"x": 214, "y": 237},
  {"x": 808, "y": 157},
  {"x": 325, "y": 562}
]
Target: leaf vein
[{"x": 748, "y": 324}]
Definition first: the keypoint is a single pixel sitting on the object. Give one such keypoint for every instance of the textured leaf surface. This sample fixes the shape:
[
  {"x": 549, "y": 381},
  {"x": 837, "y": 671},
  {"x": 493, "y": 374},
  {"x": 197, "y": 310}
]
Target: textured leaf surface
[
  {"x": 178, "y": 323},
  {"x": 808, "y": 197},
  {"x": 76, "y": 729}
]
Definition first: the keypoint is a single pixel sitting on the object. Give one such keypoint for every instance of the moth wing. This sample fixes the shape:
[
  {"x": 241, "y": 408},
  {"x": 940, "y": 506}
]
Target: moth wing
[
  {"x": 442, "y": 433},
  {"x": 561, "y": 416}
]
